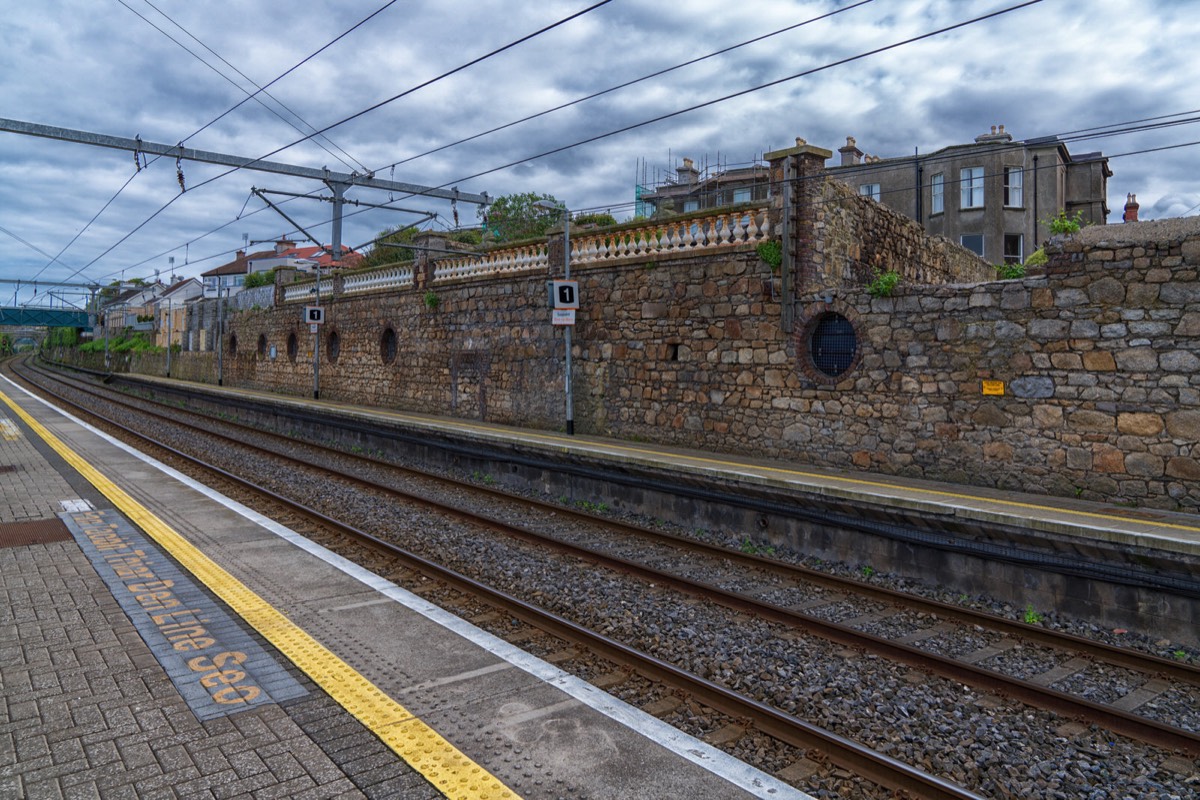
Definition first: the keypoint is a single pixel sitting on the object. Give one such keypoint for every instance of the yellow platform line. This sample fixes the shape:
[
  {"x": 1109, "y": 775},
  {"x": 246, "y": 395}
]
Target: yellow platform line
[
  {"x": 813, "y": 480},
  {"x": 442, "y": 764}
]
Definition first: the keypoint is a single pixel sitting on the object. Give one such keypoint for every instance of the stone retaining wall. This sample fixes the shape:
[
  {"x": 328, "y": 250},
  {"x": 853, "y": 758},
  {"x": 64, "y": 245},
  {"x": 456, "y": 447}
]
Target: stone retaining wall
[{"x": 1097, "y": 362}]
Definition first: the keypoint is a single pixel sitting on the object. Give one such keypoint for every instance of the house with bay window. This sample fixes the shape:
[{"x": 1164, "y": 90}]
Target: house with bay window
[{"x": 991, "y": 196}]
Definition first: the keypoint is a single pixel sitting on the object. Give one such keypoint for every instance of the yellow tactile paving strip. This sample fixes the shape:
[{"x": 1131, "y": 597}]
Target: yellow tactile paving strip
[{"x": 442, "y": 764}]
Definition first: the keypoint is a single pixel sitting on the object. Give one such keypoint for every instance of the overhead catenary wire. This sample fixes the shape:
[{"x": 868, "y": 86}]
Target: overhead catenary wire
[
  {"x": 424, "y": 84},
  {"x": 630, "y": 204},
  {"x": 711, "y": 102},
  {"x": 140, "y": 167},
  {"x": 627, "y": 84},
  {"x": 599, "y": 136},
  {"x": 260, "y": 90},
  {"x": 750, "y": 90}
]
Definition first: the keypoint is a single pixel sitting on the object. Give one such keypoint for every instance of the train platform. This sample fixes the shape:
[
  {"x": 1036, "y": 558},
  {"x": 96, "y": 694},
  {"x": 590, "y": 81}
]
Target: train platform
[
  {"x": 1117, "y": 566},
  {"x": 1154, "y": 529},
  {"x": 160, "y": 640}
]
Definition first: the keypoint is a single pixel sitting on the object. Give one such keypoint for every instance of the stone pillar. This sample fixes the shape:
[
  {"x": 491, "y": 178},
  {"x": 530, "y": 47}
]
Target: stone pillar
[
  {"x": 800, "y": 173},
  {"x": 424, "y": 258},
  {"x": 283, "y": 277},
  {"x": 554, "y": 252}
]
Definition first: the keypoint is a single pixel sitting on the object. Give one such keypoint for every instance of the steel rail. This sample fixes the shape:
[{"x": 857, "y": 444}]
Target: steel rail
[
  {"x": 1111, "y": 654},
  {"x": 1119, "y": 721},
  {"x": 859, "y": 758}
]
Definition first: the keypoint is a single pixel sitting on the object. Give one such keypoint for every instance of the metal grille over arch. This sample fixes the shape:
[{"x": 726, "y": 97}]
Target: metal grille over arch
[
  {"x": 832, "y": 344},
  {"x": 333, "y": 346},
  {"x": 387, "y": 346}
]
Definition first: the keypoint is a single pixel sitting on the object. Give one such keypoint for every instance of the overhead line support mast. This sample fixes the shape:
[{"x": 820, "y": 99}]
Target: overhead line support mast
[{"x": 339, "y": 182}]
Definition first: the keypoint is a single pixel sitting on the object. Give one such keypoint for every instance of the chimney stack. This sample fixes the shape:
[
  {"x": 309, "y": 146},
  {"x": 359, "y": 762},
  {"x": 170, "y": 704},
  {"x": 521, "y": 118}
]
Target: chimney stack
[
  {"x": 851, "y": 155},
  {"x": 688, "y": 173},
  {"x": 1131, "y": 208},
  {"x": 998, "y": 134}
]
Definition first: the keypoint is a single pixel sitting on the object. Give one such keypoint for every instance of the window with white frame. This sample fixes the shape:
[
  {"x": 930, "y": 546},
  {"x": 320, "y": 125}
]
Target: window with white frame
[
  {"x": 973, "y": 242},
  {"x": 1014, "y": 248},
  {"x": 870, "y": 190},
  {"x": 741, "y": 195},
  {"x": 1014, "y": 178},
  {"x": 971, "y": 187},
  {"x": 938, "y": 187}
]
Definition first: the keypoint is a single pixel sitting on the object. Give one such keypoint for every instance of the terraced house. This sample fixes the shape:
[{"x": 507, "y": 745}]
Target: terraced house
[{"x": 992, "y": 196}]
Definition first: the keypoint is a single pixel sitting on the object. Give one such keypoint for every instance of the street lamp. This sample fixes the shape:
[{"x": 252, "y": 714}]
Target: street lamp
[{"x": 566, "y": 217}]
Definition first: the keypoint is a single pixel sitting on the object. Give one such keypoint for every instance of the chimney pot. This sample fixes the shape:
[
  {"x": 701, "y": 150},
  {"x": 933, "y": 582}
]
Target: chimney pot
[{"x": 1131, "y": 208}]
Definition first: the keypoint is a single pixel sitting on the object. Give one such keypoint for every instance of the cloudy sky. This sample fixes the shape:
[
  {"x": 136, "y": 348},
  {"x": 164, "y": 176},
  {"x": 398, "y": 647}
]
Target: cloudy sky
[{"x": 170, "y": 71}]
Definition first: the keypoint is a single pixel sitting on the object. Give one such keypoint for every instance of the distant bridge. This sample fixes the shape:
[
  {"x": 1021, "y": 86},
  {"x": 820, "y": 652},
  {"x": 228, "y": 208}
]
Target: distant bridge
[
  {"x": 39, "y": 317},
  {"x": 24, "y": 338}
]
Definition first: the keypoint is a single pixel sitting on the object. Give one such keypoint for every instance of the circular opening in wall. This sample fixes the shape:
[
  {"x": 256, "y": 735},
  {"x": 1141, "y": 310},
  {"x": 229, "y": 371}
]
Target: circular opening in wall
[
  {"x": 832, "y": 344},
  {"x": 293, "y": 346},
  {"x": 387, "y": 346},
  {"x": 262, "y": 344},
  {"x": 333, "y": 346},
  {"x": 233, "y": 344}
]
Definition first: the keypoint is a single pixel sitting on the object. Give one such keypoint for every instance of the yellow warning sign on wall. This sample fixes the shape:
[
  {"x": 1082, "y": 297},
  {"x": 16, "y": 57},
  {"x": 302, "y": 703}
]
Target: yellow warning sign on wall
[{"x": 993, "y": 387}]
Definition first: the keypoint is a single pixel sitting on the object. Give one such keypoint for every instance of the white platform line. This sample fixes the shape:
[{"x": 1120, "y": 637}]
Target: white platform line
[{"x": 719, "y": 763}]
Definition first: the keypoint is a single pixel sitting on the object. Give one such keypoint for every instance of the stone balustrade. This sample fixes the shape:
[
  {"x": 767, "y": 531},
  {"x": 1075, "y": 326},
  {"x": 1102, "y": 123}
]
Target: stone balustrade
[
  {"x": 388, "y": 278},
  {"x": 307, "y": 291},
  {"x": 692, "y": 235},
  {"x": 498, "y": 262},
  {"x": 699, "y": 234}
]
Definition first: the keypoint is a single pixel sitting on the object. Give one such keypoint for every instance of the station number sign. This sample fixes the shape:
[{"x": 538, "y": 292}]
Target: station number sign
[
  {"x": 565, "y": 294},
  {"x": 314, "y": 315}
]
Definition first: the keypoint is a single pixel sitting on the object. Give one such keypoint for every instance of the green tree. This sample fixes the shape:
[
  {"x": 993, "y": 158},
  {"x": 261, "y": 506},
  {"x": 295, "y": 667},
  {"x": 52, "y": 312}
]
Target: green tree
[
  {"x": 514, "y": 216},
  {"x": 599, "y": 218},
  {"x": 256, "y": 279},
  {"x": 380, "y": 255}
]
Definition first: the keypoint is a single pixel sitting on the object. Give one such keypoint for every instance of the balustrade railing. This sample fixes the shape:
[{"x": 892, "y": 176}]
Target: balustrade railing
[
  {"x": 498, "y": 262},
  {"x": 698, "y": 234},
  {"x": 694, "y": 235},
  {"x": 296, "y": 292},
  {"x": 400, "y": 277}
]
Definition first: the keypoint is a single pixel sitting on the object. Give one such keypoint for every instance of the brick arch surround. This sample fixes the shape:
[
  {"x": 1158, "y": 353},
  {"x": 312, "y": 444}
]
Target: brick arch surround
[{"x": 807, "y": 321}]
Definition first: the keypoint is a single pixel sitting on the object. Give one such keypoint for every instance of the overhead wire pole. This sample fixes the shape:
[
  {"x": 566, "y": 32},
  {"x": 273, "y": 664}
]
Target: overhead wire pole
[
  {"x": 138, "y": 145},
  {"x": 338, "y": 182}
]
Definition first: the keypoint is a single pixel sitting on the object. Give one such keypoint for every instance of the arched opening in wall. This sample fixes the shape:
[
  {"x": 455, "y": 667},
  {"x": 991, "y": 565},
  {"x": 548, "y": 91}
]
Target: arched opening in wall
[
  {"x": 233, "y": 344},
  {"x": 387, "y": 346},
  {"x": 293, "y": 346},
  {"x": 333, "y": 347},
  {"x": 262, "y": 344},
  {"x": 832, "y": 344}
]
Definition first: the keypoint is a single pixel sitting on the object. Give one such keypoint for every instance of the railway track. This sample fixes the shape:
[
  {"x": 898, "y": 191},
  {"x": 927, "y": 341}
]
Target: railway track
[{"x": 801, "y": 602}]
